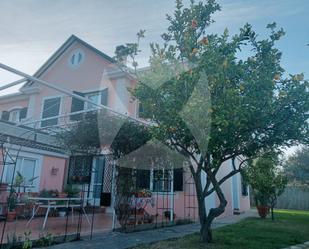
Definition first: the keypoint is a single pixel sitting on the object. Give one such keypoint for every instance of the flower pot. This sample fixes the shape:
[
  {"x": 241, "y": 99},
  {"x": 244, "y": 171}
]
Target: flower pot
[
  {"x": 263, "y": 211},
  {"x": 11, "y": 215},
  {"x": 62, "y": 213},
  {"x": 3, "y": 187},
  {"x": 167, "y": 215},
  {"x": 62, "y": 195}
]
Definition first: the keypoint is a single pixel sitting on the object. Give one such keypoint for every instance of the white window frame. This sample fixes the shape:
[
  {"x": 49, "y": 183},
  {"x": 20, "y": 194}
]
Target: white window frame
[
  {"x": 88, "y": 106},
  {"x": 152, "y": 177},
  {"x": 17, "y": 118},
  {"x": 14, "y": 109},
  {"x": 37, "y": 169},
  {"x": 60, "y": 107}
]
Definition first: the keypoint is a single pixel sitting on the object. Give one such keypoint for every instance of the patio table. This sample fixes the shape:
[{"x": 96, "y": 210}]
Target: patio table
[{"x": 53, "y": 203}]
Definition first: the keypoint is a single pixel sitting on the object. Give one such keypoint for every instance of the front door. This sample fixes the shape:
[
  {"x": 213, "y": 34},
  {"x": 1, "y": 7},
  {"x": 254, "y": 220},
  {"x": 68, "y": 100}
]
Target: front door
[{"x": 97, "y": 176}]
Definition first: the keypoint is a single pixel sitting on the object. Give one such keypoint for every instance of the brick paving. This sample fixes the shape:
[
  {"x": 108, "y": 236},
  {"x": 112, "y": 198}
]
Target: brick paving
[
  {"x": 116, "y": 240},
  {"x": 57, "y": 225}
]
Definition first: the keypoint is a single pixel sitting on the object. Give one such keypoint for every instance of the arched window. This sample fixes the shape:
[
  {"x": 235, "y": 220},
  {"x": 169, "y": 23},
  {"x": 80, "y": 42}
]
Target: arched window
[{"x": 76, "y": 58}]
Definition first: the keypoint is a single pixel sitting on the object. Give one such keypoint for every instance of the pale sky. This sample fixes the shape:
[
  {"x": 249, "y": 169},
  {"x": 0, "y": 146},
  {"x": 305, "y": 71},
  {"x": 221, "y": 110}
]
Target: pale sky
[{"x": 31, "y": 30}]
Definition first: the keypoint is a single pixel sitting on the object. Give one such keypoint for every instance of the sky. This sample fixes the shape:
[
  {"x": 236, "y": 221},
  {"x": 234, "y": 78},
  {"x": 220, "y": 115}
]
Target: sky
[{"x": 31, "y": 30}]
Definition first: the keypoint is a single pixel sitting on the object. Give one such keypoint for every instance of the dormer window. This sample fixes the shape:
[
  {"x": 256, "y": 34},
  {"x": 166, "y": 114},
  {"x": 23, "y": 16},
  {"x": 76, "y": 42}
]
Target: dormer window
[
  {"x": 76, "y": 58},
  {"x": 15, "y": 115}
]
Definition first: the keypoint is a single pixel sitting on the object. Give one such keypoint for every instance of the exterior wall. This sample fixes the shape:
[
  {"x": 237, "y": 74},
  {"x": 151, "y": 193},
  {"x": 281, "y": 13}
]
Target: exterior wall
[
  {"x": 226, "y": 188},
  {"x": 90, "y": 76},
  {"x": 49, "y": 178},
  {"x": 53, "y": 173},
  {"x": 231, "y": 189},
  {"x": 8, "y": 106},
  {"x": 244, "y": 200}
]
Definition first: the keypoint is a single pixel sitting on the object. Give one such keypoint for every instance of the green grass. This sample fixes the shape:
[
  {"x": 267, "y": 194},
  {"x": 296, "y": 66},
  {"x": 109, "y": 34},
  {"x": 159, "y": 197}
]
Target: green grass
[{"x": 289, "y": 228}]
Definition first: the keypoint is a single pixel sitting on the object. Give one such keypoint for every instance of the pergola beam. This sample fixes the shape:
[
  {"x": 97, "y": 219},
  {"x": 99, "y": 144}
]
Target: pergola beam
[
  {"x": 14, "y": 83},
  {"x": 65, "y": 91}
]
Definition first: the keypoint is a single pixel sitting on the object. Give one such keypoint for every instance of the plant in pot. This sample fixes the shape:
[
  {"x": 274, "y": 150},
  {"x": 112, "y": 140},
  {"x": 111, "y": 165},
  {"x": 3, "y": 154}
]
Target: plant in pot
[
  {"x": 167, "y": 215},
  {"x": 19, "y": 181},
  {"x": 12, "y": 200},
  {"x": 266, "y": 180},
  {"x": 261, "y": 201},
  {"x": 71, "y": 191}
]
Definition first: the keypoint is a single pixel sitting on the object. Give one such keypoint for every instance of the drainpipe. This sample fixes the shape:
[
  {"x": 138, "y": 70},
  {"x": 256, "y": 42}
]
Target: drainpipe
[
  {"x": 172, "y": 196},
  {"x": 113, "y": 196}
]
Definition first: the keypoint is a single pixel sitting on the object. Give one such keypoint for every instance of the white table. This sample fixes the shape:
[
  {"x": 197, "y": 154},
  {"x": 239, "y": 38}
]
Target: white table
[{"x": 53, "y": 203}]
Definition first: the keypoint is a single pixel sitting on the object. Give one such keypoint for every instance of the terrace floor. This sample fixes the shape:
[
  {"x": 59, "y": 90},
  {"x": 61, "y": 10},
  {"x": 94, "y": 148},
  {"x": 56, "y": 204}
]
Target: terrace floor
[{"x": 57, "y": 226}]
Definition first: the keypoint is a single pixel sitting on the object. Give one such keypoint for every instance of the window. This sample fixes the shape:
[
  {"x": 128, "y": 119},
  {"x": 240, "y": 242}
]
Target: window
[
  {"x": 15, "y": 115},
  {"x": 25, "y": 166},
  {"x": 95, "y": 97},
  {"x": 76, "y": 58},
  {"x": 98, "y": 97},
  {"x": 51, "y": 108},
  {"x": 142, "y": 179},
  {"x": 5, "y": 115},
  {"x": 178, "y": 179},
  {"x": 162, "y": 180},
  {"x": 142, "y": 113},
  {"x": 80, "y": 169},
  {"x": 244, "y": 186}
]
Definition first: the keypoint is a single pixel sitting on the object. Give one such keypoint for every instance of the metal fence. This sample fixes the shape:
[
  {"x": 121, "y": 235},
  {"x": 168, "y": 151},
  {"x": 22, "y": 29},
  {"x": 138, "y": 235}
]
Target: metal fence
[{"x": 294, "y": 197}]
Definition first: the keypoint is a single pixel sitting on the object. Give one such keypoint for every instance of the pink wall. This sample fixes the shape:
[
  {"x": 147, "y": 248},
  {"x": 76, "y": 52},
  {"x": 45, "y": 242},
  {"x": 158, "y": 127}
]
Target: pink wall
[
  {"x": 86, "y": 78},
  {"x": 244, "y": 201},
  {"x": 91, "y": 75},
  {"x": 48, "y": 180},
  {"x": 180, "y": 211},
  {"x": 226, "y": 188},
  {"x": 180, "y": 200},
  {"x": 5, "y": 106}
]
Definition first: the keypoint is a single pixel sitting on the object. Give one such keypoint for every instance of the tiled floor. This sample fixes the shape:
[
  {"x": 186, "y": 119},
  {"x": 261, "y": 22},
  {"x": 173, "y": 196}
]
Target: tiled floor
[
  {"x": 116, "y": 240},
  {"x": 102, "y": 222}
]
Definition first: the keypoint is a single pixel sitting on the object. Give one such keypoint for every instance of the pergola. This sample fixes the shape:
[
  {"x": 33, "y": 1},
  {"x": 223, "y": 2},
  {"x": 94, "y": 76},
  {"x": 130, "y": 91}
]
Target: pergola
[{"x": 18, "y": 135}]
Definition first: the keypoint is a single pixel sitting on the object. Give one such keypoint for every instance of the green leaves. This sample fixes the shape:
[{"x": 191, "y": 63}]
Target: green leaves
[
  {"x": 251, "y": 105},
  {"x": 297, "y": 166},
  {"x": 266, "y": 179}
]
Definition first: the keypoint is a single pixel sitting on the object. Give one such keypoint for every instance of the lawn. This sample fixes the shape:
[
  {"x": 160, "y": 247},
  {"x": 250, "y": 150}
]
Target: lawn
[{"x": 290, "y": 228}]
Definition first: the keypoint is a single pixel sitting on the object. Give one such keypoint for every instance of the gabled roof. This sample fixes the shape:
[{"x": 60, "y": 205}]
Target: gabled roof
[{"x": 60, "y": 51}]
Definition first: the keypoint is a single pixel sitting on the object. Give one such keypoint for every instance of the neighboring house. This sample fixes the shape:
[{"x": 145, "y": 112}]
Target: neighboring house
[{"x": 86, "y": 71}]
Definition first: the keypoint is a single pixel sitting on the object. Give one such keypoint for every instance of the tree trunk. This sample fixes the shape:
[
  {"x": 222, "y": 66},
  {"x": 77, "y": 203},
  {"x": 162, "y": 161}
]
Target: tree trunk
[
  {"x": 206, "y": 232},
  {"x": 207, "y": 219},
  {"x": 272, "y": 213}
]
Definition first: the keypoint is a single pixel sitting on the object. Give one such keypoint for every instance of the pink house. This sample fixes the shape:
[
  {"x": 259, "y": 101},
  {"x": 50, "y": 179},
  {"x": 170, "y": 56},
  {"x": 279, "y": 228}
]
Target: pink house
[{"x": 82, "y": 69}]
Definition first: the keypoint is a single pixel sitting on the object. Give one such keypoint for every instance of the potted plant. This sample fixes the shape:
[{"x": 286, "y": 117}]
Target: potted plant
[
  {"x": 261, "y": 204},
  {"x": 167, "y": 215},
  {"x": 3, "y": 187},
  {"x": 71, "y": 191},
  {"x": 12, "y": 200},
  {"x": 19, "y": 181},
  {"x": 62, "y": 195},
  {"x": 144, "y": 193}
]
